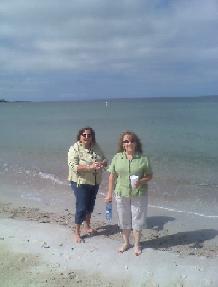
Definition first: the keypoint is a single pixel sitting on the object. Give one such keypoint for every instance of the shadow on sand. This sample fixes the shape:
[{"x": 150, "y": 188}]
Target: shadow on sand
[
  {"x": 158, "y": 221},
  {"x": 105, "y": 230},
  {"x": 196, "y": 238},
  {"x": 112, "y": 229}
]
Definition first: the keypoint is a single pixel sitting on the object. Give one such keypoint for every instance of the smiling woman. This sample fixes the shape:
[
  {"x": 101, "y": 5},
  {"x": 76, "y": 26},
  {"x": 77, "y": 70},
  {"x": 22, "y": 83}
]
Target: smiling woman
[
  {"x": 86, "y": 161},
  {"x": 131, "y": 196}
]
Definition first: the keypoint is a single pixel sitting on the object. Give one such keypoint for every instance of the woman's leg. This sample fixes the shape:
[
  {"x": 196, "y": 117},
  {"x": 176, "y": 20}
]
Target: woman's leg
[
  {"x": 139, "y": 213},
  {"x": 92, "y": 193},
  {"x": 80, "y": 214},
  {"x": 77, "y": 233},
  {"x": 125, "y": 246},
  {"x": 125, "y": 222},
  {"x": 87, "y": 224},
  {"x": 137, "y": 246}
]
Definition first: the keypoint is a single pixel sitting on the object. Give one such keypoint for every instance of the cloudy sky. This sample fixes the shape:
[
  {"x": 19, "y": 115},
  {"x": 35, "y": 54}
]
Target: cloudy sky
[{"x": 79, "y": 49}]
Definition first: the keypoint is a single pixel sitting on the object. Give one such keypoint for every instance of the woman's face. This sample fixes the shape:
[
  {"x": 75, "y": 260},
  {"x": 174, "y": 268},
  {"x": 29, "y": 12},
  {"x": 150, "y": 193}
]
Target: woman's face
[
  {"x": 86, "y": 138},
  {"x": 129, "y": 144}
]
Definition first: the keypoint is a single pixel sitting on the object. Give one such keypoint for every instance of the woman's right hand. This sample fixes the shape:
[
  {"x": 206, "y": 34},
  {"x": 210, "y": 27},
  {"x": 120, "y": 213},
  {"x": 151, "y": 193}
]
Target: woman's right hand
[{"x": 108, "y": 198}]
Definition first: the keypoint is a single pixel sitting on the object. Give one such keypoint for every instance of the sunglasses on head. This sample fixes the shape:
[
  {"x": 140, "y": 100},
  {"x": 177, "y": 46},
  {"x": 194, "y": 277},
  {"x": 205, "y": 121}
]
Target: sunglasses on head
[
  {"x": 86, "y": 135},
  {"x": 127, "y": 141}
]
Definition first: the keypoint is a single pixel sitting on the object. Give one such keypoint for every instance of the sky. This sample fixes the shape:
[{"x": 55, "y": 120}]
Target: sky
[{"x": 60, "y": 50}]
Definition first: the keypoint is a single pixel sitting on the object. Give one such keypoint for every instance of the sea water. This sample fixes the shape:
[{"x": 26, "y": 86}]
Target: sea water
[{"x": 179, "y": 135}]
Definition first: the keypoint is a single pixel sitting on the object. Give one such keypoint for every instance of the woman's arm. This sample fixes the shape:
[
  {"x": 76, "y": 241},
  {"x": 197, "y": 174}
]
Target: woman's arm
[
  {"x": 103, "y": 162},
  {"x": 87, "y": 167},
  {"x": 111, "y": 184},
  {"x": 143, "y": 180},
  {"x": 73, "y": 161}
]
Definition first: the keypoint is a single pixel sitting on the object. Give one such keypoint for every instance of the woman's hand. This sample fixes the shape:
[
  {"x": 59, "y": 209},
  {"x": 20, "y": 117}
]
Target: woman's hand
[
  {"x": 94, "y": 166},
  {"x": 138, "y": 184},
  {"x": 91, "y": 167},
  {"x": 101, "y": 164},
  {"x": 143, "y": 180},
  {"x": 111, "y": 181},
  {"x": 104, "y": 163},
  {"x": 108, "y": 198}
]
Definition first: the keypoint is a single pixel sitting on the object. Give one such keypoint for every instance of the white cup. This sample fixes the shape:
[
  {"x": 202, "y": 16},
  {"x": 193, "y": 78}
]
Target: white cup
[{"x": 133, "y": 179}]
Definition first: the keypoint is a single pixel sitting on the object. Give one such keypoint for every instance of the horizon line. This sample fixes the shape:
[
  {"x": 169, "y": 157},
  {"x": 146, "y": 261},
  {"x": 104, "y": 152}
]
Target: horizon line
[{"x": 112, "y": 99}]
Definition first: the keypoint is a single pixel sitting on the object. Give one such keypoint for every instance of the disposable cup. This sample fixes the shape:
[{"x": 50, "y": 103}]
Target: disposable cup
[{"x": 133, "y": 179}]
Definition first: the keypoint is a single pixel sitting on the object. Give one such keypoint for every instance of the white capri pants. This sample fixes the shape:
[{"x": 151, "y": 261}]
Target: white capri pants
[{"x": 132, "y": 211}]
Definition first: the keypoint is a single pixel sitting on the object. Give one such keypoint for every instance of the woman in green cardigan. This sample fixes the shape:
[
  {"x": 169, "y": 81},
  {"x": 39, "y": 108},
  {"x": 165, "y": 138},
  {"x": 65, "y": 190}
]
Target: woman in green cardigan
[{"x": 131, "y": 198}]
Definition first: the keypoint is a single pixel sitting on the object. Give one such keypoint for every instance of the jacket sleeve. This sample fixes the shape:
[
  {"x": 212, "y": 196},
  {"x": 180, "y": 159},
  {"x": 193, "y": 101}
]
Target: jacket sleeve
[
  {"x": 100, "y": 152},
  {"x": 73, "y": 158}
]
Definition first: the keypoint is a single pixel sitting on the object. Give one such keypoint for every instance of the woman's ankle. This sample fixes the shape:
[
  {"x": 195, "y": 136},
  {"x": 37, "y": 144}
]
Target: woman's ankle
[{"x": 78, "y": 238}]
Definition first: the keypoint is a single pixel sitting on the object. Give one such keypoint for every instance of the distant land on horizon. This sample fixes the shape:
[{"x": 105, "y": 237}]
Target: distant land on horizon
[
  {"x": 210, "y": 97},
  {"x": 6, "y": 101}
]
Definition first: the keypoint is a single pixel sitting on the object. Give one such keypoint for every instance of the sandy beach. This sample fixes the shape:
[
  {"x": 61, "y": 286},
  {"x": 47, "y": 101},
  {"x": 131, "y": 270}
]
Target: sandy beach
[{"x": 37, "y": 247}]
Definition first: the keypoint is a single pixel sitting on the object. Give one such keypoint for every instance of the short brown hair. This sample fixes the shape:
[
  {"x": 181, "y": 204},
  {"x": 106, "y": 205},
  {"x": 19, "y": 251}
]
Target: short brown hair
[{"x": 81, "y": 131}]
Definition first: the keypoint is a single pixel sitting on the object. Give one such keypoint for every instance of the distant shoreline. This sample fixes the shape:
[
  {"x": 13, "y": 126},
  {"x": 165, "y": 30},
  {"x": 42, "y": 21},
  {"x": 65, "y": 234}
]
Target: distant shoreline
[
  {"x": 108, "y": 100},
  {"x": 5, "y": 102}
]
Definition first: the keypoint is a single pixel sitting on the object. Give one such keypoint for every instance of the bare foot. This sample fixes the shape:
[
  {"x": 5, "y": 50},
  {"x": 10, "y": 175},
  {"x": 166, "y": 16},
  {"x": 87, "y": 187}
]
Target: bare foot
[
  {"x": 137, "y": 250},
  {"x": 78, "y": 238},
  {"x": 123, "y": 248}
]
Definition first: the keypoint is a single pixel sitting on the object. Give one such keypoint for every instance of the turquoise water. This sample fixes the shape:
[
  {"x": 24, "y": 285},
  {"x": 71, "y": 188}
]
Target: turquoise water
[{"x": 179, "y": 135}]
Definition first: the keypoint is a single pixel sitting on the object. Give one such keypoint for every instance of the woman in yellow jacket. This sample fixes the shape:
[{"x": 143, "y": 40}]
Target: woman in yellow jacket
[{"x": 86, "y": 161}]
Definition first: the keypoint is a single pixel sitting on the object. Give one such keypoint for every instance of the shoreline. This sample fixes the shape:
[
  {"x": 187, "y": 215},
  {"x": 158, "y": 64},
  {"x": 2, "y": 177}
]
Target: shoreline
[
  {"x": 40, "y": 181},
  {"x": 170, "y": 209},
  {"x": 164, "y": 232}
]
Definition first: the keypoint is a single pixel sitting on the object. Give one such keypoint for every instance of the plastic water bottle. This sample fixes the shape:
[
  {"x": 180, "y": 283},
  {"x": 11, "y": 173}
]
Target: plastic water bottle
[{"x": 108, "y": 211}]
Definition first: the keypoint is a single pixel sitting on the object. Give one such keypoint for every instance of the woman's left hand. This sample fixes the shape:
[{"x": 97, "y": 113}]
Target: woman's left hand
[
  {"x": 98, "y": 165},
  {"x": 101, "y": 164},
  {"x": 138, "y": 184},
  {"x": 143, "y": 180}
]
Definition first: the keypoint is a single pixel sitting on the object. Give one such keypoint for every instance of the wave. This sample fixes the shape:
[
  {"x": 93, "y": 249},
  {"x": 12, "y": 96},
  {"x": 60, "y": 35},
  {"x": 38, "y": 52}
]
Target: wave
[
  {"x": 6, "y": 168},
  {"x": 177, "y": 210},
  {"x": 184, "y": 211},
  {"x": 31, "y": 196},
  {"x": 51, "y": 177}
]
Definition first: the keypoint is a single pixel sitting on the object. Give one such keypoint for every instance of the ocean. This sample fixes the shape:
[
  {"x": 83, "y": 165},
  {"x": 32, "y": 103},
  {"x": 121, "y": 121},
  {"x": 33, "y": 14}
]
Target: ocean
[{"x": 178, "y": 134}]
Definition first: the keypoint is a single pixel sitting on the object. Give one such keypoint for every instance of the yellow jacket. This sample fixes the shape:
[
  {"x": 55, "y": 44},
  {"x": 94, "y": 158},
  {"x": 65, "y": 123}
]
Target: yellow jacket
[{"x": 77, "y": 155}]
